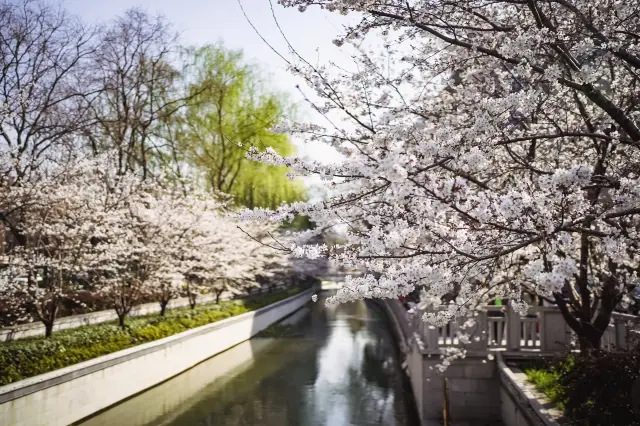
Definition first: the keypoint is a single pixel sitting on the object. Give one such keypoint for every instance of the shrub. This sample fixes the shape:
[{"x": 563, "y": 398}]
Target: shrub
[
  {"x": 25, "y": 358},
  {"x": 597, "y": 388},
  {"x": 547, "y": 382},
  {"x": 592, "y": 389}
]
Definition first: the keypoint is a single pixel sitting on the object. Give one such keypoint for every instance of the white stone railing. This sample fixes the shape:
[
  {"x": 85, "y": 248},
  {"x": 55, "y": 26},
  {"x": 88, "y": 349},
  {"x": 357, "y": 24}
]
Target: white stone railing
[{"x": 501, "y": 328}]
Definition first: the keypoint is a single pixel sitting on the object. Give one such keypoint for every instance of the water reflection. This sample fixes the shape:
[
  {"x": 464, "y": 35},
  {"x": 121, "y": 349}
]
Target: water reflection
[{"x": 336, "y": 368}]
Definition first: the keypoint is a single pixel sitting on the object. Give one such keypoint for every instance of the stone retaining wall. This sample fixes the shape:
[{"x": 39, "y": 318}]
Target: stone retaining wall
[{"x": 521, "y": 403}]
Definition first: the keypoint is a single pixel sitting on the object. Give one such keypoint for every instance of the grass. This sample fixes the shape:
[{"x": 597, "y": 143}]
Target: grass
[
  {"x": 547, "y": 381},
  {"x": 30, "y": 357}
]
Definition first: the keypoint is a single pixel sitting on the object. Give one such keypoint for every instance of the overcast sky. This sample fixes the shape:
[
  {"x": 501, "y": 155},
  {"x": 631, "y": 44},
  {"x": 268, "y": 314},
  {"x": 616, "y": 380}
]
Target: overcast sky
[{"x": 210, "y": 21}]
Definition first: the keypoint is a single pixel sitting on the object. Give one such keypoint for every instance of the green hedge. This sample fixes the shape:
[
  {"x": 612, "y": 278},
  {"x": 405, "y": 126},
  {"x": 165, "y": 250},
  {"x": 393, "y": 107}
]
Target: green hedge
[{"x": 25, "y": 358}]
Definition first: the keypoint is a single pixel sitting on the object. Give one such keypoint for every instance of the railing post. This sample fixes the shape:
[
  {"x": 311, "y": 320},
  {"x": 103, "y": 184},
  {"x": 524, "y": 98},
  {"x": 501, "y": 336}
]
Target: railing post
[
  {"x": 481, "y": 332},
  {"x": 513, "y": 329},
  {"x": 553, "y": 328},
  {"x": 432, "y": 336},
  {"x": 622, "y": 333}
]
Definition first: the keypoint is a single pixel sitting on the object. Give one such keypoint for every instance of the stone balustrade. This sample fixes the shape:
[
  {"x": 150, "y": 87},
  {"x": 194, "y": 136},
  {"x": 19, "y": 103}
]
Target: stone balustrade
[{"x": 500, "y": 328}]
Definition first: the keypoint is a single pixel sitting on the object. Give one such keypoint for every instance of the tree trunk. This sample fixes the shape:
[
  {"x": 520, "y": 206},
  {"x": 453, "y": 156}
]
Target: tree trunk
[
  {"x": 50, "y": 318},
  {"x": 589, "y": 344},
  {"x": 121, "y": 318},
  {"x": 192, "y": 297},
  {"x": 48, "y": 329},
  {"x": 446, "y": 415},
  {"x": 218, "y": 294},
  {"x": 163, "y": 307},
  {"x": 589, "y": 333}
]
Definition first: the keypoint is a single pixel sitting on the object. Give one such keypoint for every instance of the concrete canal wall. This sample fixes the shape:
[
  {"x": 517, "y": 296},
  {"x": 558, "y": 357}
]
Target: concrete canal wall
[{"x": 480, "y": 391}]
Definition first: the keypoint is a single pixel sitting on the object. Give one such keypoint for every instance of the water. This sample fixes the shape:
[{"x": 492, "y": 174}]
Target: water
[{"x": 336, "y": 367}]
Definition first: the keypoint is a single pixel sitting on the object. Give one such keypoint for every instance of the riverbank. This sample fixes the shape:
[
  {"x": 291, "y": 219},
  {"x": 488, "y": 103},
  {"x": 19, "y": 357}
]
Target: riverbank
[
  {"x": 72, "y": 394},
  {"x": 30, "y": 357}
]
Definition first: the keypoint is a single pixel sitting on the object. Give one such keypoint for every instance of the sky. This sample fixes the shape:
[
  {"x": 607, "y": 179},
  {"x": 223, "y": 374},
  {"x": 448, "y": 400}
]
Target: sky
[{"x": 210, "y": 21}]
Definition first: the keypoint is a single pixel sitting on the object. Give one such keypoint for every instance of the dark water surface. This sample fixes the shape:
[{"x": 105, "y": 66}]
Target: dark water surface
[{"x": 335, "y": 367}]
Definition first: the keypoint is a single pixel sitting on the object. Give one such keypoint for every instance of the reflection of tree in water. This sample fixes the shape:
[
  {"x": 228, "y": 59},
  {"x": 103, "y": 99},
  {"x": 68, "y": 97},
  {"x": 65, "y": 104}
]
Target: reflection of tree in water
[
  {"x": 378, "y": 381},
  {"x": 377, "y": 368},
  {"x": 274, "y": 401},
  {"x": 355, "y": 382},
  {"x": 268, "y": 409}
]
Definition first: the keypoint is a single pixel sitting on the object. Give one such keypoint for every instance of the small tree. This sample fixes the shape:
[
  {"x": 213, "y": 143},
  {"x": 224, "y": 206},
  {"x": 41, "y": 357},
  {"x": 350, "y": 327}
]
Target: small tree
[
  {"x": 54, "y": 230},
  {"x": 118, "y": 263}
]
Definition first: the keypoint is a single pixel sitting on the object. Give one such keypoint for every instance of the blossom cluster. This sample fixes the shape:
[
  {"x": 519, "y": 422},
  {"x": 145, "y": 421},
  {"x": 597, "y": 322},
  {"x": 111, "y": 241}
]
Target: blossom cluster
[
  {"x": 489, "y": 154},
  {"x": 79, "y": 225}
]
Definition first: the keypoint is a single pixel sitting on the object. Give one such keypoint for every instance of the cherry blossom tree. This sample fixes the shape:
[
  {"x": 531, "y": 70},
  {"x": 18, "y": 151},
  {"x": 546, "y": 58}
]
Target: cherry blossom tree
[
  {"x": 226, "y": 258},
  {"x": 118, "y": 263},
  {"x": 171, "y": 221},
  {"x": 492, "y": 147},
  {"x": 53, "y": 221}
]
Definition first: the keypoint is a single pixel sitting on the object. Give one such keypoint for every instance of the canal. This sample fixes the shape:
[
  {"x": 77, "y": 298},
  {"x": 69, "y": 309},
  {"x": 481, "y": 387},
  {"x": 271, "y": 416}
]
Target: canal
[{"x": 322, "y": 367}]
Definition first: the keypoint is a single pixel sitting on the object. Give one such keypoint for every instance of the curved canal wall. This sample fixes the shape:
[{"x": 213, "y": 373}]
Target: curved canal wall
[
  {"x": 481, "y": 392},
  {"x": 68, "y": 395}
]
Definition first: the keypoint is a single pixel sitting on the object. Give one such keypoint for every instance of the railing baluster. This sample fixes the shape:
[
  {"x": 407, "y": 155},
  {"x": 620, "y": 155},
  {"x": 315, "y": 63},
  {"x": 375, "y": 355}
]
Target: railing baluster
[
  {"x": 544, "y": 330},
  {"x": 532, "y": 330},
  {"x": 513, "y": 330},
  {"x": 454, "y": 332},
  {"x": 491, "y": 331}
]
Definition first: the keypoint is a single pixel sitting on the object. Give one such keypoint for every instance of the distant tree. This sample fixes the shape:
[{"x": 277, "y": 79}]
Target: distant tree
[
  {"x": 231, "y": 110},
  {"x": 134, "y": 68},
  {"x": 44, "y": 91}
]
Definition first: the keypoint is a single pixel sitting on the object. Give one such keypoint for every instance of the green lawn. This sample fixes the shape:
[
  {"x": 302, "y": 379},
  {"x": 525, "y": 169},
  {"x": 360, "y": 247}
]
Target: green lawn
[{"x": 25, "y": 358}]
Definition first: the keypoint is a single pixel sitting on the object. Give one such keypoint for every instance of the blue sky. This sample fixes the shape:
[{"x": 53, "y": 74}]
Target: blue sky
[{"x": 209, "y": 21}]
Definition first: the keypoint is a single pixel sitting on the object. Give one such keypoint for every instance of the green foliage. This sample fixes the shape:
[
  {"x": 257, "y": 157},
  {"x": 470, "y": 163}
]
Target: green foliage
[
  {"x": 299, "y": 223},
  {"x": 547, "y": 381},
  {"x": 230, "y": 110},
  {"x": 592, "y": 389},
  {"x": 25, "y": 358}
]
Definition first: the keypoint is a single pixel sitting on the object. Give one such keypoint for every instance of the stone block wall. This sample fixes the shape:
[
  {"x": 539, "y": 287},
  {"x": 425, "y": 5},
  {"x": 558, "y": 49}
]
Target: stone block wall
[{"x": 473, "y": 389}]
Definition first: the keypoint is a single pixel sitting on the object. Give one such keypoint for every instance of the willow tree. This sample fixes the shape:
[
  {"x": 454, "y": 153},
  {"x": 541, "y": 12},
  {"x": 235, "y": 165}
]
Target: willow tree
[{"x": 230, "y": 110}]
